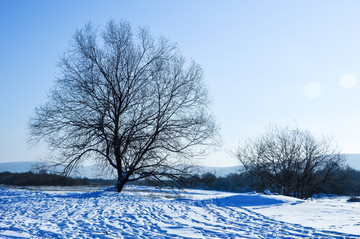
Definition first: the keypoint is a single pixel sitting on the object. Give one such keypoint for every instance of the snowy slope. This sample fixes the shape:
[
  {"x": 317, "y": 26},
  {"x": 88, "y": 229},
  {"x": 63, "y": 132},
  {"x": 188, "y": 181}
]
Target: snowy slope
[
  {"x": 326, "y": 214},
  {"x": 142, "y": 212}
]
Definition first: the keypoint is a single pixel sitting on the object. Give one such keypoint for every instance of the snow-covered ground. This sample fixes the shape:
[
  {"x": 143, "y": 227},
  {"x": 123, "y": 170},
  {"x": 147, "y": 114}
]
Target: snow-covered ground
[
  {"x": 142, "y": 212},
  {"x": 334, "y": 214}
]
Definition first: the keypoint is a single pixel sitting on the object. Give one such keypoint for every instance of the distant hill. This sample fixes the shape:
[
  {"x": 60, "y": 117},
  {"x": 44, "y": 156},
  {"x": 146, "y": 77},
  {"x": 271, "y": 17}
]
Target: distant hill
[
  {"x": 16, "y": 167},
  {"x": 92, "y": 172},
  {"x": 353, "y": 160},
  {"x": 26, "y": 166},
  {"x": 220, "y": 171}
]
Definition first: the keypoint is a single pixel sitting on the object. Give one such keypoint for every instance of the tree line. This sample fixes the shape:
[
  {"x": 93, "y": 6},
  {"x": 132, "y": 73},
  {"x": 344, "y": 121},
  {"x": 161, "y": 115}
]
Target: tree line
[
  {"x": 240, "y": 182},
  {"x": 48, "y": 179},
  {"x": 244, "y": 182}
]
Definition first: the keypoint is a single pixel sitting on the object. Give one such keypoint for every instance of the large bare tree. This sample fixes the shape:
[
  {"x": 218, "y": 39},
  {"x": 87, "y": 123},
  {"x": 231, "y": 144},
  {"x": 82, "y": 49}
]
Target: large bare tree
[
  {"x": 128, "y": 100},
  {"x": 291, "y": 161}
]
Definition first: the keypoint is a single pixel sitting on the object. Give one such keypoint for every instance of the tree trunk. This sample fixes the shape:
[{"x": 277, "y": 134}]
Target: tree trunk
[
  {"x": 120, "y": 184},
  {"x": 123, "y": 178}
]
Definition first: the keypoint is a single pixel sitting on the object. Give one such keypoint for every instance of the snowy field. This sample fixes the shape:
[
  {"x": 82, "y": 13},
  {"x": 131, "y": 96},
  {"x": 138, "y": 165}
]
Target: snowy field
[{"x": 142, "y": 212}]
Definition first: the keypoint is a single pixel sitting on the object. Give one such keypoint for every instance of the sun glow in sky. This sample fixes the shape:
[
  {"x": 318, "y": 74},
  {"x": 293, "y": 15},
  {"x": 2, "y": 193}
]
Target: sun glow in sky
[
  {"x": 312, "y": 89},
  {"x": 348, "y": 81},
  {"x": 292, "y": 63}
]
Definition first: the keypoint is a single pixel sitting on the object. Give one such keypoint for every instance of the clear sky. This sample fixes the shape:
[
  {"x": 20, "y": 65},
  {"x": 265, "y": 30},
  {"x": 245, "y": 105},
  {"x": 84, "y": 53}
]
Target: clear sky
[{"x": 293, "y": 63}]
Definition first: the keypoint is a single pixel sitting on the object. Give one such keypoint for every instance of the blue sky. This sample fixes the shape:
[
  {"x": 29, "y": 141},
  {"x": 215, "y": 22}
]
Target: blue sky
[{"x": 264, "y": 61}]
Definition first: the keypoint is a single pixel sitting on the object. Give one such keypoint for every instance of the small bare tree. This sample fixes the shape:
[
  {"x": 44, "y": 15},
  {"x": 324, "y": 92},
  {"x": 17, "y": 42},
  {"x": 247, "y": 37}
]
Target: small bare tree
[
  {"x": 129, "y": 101},
  {"x": 291, "y": 161}
]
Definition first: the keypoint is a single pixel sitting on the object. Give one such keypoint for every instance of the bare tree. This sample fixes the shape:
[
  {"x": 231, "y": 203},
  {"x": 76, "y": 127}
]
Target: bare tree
[
  {"x": 291, "y": 161},
  {"x": 128, "y": 100}
]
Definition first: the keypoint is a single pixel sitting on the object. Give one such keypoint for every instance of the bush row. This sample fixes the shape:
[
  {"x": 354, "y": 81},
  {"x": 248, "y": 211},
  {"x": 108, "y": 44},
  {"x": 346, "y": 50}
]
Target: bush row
[
  {"x": 46, "y": 179},
  {"x": 349, "y": 184}
]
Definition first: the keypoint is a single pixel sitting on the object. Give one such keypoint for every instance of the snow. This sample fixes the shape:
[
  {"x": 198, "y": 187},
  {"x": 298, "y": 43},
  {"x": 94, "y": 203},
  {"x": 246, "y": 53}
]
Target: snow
[
  {"x": 327, "y": 214},
  {"x": 143, "y": 212}
]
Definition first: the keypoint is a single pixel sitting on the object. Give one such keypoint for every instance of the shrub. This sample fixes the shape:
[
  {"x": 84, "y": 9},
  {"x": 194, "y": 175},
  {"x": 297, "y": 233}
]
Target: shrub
[{"x": 353, "y": 199}]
